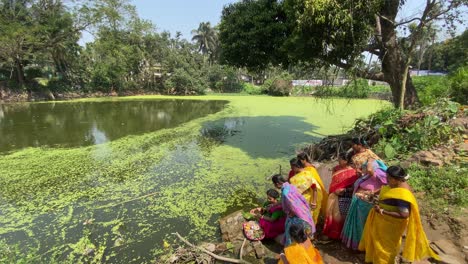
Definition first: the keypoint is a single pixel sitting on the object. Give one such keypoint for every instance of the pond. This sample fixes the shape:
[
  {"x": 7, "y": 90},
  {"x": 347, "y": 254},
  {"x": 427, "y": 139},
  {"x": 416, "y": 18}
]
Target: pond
[
  {"x": 113, "y": 193},
  {"x": 90, "y": 123}
]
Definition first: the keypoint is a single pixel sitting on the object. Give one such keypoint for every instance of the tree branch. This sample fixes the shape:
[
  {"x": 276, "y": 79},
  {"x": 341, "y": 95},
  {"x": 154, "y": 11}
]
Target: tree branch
[
  {"x": 230, "y": 260},
  {"x": 378, "y": 76}
]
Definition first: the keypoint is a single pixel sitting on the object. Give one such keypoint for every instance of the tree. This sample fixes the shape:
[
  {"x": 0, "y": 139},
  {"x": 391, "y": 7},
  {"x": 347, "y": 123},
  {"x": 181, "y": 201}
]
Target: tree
[
  {"x": 333, "y": 32},
  {"x": 206, "y": 38},
  {"x": 16, "y": 36},
  {"x": 252, "y": 34},
  {"x": 448, "y": 55}
]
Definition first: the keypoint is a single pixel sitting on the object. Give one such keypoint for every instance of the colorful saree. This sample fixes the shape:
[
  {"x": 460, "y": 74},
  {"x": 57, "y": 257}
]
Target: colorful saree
[
  {"x": 295, "y": 206},
  {"x": 360, "y": 158},
  {"x": 334, "y": 220},
  {"x": 359, "y": 209},
  {"x": 382, "y": 234},
  {"x": 322, "y": 190},
  {"x": 304, "y": 253},
  {"x": 305, "y": 184},
  {"x": 274, "y": 228}
]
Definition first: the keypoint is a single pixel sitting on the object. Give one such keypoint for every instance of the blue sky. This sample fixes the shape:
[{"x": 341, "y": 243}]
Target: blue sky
[
  {"x": 186, "y": 15},
  {"x": 180, "y": 15}
]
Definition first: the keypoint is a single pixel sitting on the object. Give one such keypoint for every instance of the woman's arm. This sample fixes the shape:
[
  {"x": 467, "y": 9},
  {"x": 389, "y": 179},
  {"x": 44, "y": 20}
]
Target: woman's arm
[
  {"x": 313, "y": 203},
  {"x": 399, "y": 214}
]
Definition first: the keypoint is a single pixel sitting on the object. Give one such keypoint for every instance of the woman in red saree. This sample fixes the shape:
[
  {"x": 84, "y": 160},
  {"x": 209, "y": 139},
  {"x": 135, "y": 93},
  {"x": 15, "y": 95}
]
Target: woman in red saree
[{"x": 342, "y": 181}]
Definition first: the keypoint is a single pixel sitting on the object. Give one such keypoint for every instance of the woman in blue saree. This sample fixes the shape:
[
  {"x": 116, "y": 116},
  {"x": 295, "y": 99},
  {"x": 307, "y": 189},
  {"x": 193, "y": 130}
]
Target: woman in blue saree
[{"x": 368, "y": 185}]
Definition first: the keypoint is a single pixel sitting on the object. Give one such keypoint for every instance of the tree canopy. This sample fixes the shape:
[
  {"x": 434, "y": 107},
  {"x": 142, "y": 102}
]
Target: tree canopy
[{"x": 330, "y": 32}]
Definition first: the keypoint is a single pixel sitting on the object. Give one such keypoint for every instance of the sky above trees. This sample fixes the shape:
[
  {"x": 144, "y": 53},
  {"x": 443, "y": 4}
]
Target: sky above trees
[{"x": 185, "y": 15}]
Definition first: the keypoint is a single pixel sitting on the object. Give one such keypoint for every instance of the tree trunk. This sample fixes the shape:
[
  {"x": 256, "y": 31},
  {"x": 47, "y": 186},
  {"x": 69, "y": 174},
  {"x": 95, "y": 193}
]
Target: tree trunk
[
  {"x": 393, "y": 64},
  {"x": 395, "y": 74},
  {"x": 20, "y": 73}
]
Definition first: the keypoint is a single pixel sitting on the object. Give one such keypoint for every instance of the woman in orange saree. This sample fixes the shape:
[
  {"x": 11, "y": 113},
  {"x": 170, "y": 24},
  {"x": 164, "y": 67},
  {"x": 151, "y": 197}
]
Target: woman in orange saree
[
  {"x": 301, "y": 251},
  {"x": 343, "y": 178}
]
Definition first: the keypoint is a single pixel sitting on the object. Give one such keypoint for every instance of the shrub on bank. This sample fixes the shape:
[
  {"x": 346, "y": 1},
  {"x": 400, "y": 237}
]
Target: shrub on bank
[
  {"x": 431, "y": 88},
  {"x": 252, "y": 89},
  {"x": 278, "y": 86},
  {"x": 459, "y": 85}
]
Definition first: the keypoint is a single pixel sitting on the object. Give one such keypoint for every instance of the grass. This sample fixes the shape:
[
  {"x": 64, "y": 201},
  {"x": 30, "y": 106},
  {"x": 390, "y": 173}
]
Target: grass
[{"x": 445, "y": 189}]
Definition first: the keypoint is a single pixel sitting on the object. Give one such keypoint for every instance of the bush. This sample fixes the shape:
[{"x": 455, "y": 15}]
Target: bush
[
  {"x": 279, "y": 86},
  {"x": 58, "y": 85},
  {"x": 459, "y": 85},
  {"x": 181, "y": 82},
  {"x": 408, "y": 131},
  {"x": 32, "y": 72},
  {"x": 431, "y": 88},
  {"x": 249, "y": 88}
]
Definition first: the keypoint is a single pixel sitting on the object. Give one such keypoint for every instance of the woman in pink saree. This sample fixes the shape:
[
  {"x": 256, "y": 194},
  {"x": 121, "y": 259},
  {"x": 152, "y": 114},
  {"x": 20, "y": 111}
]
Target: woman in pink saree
[{"x": 295, "y": 206}]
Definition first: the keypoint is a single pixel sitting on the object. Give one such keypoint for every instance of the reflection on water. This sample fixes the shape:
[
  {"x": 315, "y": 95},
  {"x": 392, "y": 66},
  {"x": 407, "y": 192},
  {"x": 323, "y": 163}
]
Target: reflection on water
[{"x": 88, "y": 123}]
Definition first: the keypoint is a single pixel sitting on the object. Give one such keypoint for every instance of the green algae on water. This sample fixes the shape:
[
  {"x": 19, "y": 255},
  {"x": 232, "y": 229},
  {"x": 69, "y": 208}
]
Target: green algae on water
[{"x": 60, "y": 202}]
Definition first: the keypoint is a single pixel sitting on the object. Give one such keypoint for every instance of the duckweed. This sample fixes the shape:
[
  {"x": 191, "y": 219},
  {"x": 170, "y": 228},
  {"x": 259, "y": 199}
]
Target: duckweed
[{"x": 81, "y": 204}]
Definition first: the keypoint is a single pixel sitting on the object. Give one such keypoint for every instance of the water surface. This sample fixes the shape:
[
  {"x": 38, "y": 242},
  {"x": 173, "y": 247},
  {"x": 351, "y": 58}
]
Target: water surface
[
  {"x": 116, "y": 178},
  {"x": 75, "y": 124}
]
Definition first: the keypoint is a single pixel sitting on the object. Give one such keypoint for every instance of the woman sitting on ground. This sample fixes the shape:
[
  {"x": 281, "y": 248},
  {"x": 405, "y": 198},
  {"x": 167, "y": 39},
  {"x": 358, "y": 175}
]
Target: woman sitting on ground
[
  {"x": 272, "y": 218},
  {"x": 301, "y": 251},
  {"x": 295, "y": 206},
  {"x": 339, "y": 198},
  {"x": 396, "y": 212},
  {"x": 365, "y": 189},
  {"x": 306, "y": 163},
  {"x": 308, "y": 187}
]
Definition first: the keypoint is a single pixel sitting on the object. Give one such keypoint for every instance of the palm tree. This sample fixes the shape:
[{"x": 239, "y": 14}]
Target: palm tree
[{"x": 206, "y": 38}]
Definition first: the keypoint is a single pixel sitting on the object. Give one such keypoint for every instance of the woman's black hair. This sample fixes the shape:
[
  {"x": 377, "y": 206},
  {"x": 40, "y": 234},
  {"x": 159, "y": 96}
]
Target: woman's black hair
[
  {"x": 273, "y": 193},
  {"x": 397, "y": 172},
  {"x": 359, "y": 141},
  {"x": 298, "y": 233},
  {"x": 296, "y": 162},
  {"x": 344, "y": 156},
  {"x": 303, "y": 156},
  {"x": 278, "y": 178}
]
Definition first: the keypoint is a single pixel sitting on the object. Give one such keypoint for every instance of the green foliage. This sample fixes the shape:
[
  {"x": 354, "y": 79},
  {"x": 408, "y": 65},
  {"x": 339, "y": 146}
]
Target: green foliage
[
  {"x": 448, "y": 55},
  {"x": 431, "y": 88},
  {"x": 252, "y": 89},
  {"x": 358, "y": 88},
  {"x": 251, "y": 33},
  {"x": 404, "y": 132},
  {"x": 279, "y": 85},
  {"x": 443, "y": 187},
  {"x": 181, "y": 82},
  {"x": 459, "y": 85},
  {"x": 229, "y": 82}
]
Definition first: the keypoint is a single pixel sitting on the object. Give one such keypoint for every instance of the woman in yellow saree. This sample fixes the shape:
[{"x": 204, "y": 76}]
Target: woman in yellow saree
[
  {"x": 306, "y": 163},
  {"x": 396, "y": 212},
  {"x": 308, "y": 186},
  {"x": 301, "y": 251}
]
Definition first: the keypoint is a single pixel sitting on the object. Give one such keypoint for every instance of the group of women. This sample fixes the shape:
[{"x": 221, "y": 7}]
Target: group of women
[{"x": 369, "y": 207}]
